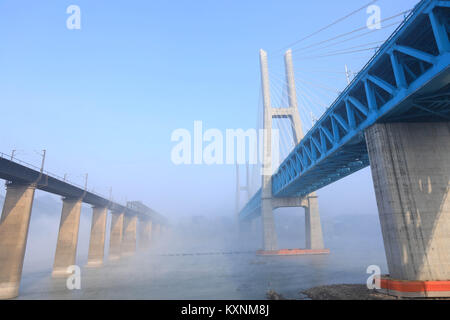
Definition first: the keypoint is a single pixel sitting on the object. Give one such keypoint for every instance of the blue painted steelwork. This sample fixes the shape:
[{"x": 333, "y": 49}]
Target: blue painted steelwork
[{"x": 406, "y": 80}]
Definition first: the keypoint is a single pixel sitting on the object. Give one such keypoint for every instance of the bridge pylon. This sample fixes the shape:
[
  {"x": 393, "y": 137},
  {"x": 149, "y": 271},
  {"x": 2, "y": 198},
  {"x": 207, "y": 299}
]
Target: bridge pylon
[{"x": 313, "y": 228}]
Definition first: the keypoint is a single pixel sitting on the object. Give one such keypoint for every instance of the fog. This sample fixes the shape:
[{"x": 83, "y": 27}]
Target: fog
[
  {"x": 209, "y": 257},
  {"x": 104, "y": 100}
]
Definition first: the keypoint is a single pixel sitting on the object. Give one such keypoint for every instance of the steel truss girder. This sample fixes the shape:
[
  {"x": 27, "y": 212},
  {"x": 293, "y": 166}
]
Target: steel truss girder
[{"x": 335, "y": 146}]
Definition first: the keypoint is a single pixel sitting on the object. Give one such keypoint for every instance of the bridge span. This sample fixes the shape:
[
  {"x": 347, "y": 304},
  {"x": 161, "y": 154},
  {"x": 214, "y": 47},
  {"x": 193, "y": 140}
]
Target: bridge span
[
  {"x": 129, "y": 222},
  {"x": 395, "y": 117}
]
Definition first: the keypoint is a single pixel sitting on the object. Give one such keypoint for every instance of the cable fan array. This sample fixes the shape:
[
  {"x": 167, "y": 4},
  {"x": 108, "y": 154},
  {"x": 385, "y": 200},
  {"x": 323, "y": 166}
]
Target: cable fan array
[{"x": 322, "y": 68}]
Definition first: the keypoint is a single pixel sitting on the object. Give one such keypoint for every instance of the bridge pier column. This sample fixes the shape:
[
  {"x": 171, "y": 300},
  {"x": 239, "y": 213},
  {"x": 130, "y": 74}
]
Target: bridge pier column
[
  {"x": 245, "y": 231},
  {"x": 145, "y": 231},
  {"x": 268, "y": 224},
  {"x": 129, "y": 235},
  {"x": 254, "y": 227},
  {"x": 97, "y": 240},
  {"x": 115, "y": 236},
  {"x": 410, "y": 165},
  {"x": 66, "y": 248},
  {"x": 14, "y": 225},
  {"x": 156, "y": 228},
  {"x": 313, "y": 227}
]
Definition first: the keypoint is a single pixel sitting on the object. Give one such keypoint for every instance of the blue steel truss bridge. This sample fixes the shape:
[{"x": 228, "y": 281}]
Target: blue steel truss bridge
[{"x": 407, "y": 80}]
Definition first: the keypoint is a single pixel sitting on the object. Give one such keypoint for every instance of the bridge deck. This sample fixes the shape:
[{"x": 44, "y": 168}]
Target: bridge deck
[{"x": 19, "y": 173}]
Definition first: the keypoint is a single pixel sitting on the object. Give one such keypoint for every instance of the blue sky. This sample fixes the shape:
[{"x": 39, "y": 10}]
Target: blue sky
[{"x": 105, "y": 99}]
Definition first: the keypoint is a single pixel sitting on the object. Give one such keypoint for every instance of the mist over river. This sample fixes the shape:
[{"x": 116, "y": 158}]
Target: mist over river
[{"x": 195, "y": 260}]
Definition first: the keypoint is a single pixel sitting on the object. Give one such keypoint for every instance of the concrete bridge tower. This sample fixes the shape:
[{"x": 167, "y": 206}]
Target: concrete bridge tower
[{"x": 313, "y": 229}]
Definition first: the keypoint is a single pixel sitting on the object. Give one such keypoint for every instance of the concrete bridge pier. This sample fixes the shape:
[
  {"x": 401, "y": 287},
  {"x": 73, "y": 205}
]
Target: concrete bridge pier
[
  {"x": 116, "y": 235},
  {"x": 247, "y": 231},
  {"x": 156, "y": 229},
  {"x": 313, "y": 227},
  {"x": 14, "y": 225},
  {"x": 254, "y": 227},
  {"x": 270, "y": 242},
  {"x": 66, "y": 248},
  {"x": 97, "y": 240},
  {"x": 145, "y": 233},
  {"x": 129, "y": 235},
  {"x": 410, "y": 165}
]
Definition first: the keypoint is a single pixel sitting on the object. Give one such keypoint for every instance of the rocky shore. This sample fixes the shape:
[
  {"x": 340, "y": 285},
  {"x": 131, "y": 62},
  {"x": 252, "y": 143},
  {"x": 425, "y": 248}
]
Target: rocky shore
[
  {"x": 336, "y": 292},
  {"x": 345, "y": 292}
]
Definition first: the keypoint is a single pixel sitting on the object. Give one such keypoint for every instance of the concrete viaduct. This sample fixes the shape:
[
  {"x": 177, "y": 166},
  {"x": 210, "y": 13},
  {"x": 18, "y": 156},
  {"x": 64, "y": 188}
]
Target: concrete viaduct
[{"x": 126, "y": 222}]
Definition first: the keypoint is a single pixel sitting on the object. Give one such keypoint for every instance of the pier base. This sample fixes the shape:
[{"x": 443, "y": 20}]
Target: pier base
[{"x": 414, "y": 289}]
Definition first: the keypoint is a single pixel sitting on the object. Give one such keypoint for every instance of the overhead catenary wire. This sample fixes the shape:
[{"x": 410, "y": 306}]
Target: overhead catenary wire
[
  {"x": 356, "y": 37},
  {"x": 329, "y": 25},
  {"x": 348, "y": 48},
  {"x": 338, "y": 53},
  {"x": 348, "y": 33}
]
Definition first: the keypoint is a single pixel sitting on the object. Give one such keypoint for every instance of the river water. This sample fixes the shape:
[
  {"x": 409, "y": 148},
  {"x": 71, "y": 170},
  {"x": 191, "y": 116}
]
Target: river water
[{"x": 156, "y": 275}]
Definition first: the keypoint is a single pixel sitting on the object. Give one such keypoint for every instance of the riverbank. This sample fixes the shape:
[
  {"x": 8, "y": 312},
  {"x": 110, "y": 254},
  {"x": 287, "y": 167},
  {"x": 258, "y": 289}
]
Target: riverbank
[
  {"x": 345, "y": 292},
  {"x": 336, "y": 292}
]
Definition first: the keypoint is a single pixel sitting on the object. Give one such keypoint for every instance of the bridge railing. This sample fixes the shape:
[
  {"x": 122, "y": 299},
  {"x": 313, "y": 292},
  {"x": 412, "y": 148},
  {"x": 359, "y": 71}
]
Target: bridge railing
[{"x": 48, "y": 173}]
